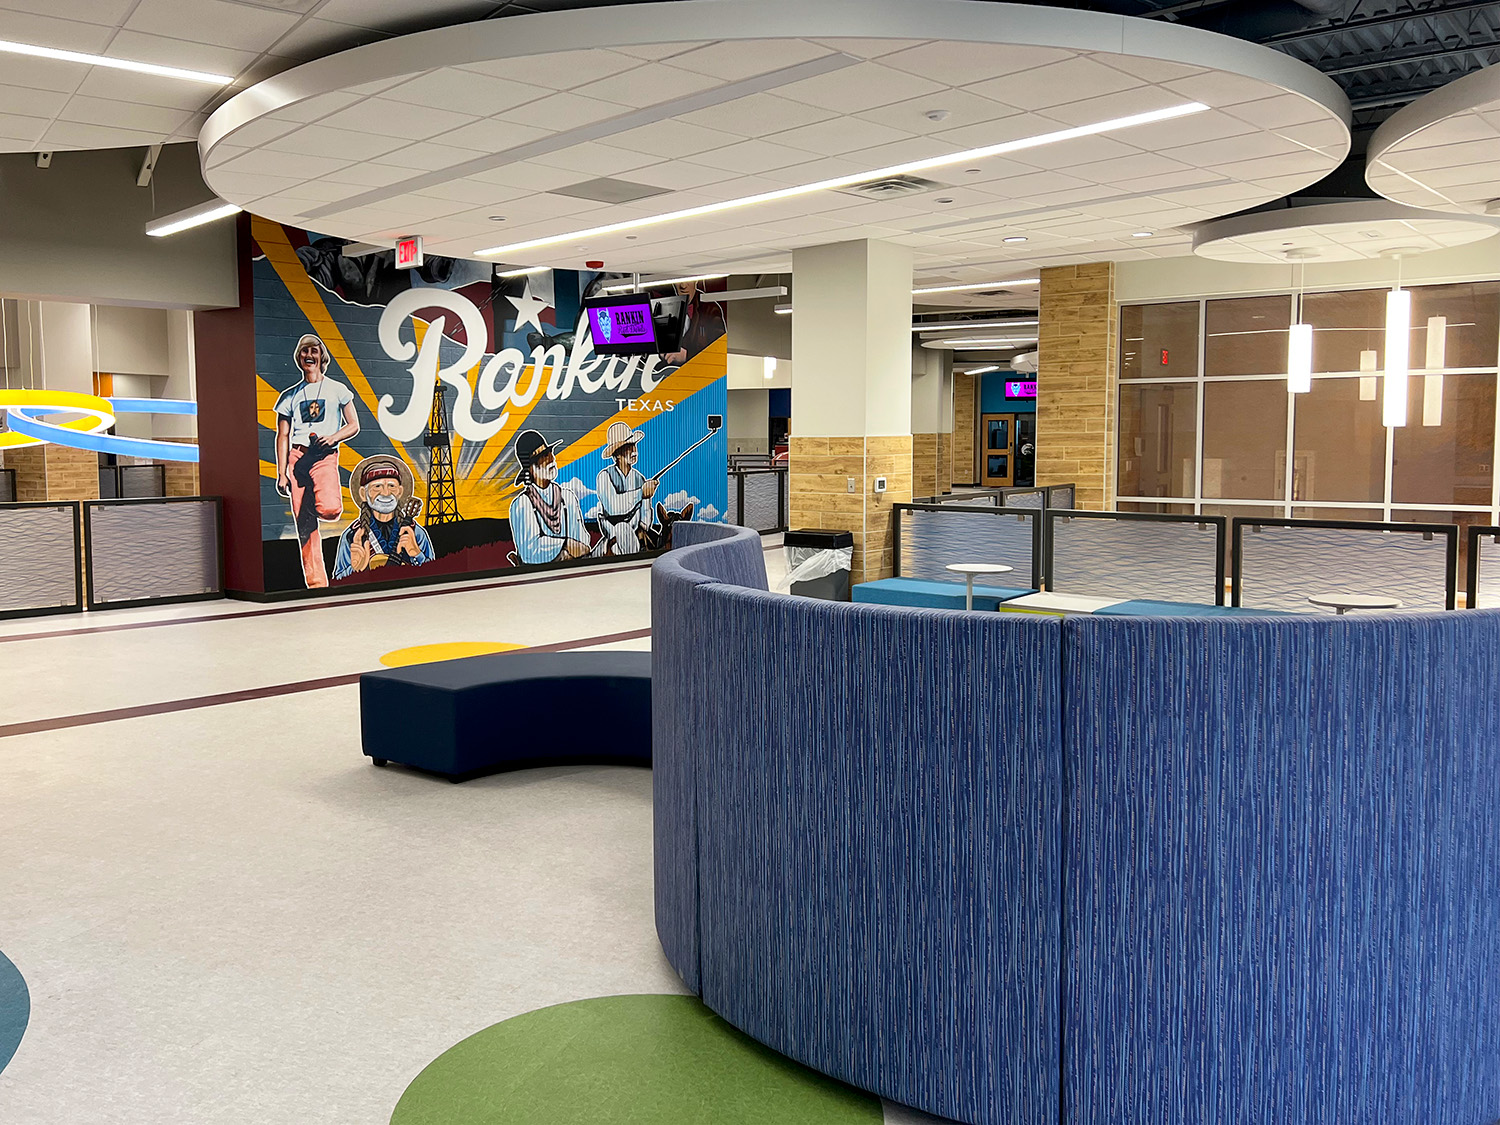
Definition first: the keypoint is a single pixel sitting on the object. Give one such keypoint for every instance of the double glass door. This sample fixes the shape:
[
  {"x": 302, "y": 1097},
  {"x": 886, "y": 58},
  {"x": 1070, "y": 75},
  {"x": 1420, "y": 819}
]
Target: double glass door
[{"x": 1009, "y": 456}]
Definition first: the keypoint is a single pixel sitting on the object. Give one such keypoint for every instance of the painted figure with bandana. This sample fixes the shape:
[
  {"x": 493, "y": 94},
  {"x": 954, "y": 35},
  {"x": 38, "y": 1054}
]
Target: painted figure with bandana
[
  {"x": 624, "y": 493},
  {"x": 545, "y": 522},
  {"x": 387, "y": 532}
]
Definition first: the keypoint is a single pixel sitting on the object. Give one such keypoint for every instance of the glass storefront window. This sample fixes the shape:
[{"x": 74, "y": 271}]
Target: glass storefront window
[
  {"x": 1154, "y": 509},
  {"x": 1246, "y": 336},
  {"x": 1451, "y": 462},
  {"x": 1370, "y": 515},
  {"x": 1159, "y": 341},
  {"x": 1244, "y": 440},
  {"x": 1338, "y": 446},
  {"x": 1472, "y": 313},
  {"x": 1348, "y": 330},
  {"x": 1158, "y": 439}
]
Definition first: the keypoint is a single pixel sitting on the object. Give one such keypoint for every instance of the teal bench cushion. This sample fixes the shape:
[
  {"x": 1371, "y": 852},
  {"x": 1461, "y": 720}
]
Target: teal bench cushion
[{"x": 924, "y": 593}]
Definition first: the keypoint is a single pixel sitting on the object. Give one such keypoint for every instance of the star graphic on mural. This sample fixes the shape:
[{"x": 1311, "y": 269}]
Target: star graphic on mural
[{"x": 529, "y": 309}]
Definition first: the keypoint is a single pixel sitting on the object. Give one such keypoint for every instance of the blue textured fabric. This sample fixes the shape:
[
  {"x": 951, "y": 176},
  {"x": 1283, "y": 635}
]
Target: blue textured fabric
[
  {"x": 879, "y": 801},
  {"x": 924, "y": 593},
  {"x": 1282, "y": 876},
  {"x": 704, "y": 552},
  {"x": 1144, "y": 607}
]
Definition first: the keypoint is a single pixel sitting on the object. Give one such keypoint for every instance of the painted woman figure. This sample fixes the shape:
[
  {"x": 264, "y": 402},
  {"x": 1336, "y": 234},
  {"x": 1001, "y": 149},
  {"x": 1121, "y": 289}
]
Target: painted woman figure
[{"x": 545, "y": 522}]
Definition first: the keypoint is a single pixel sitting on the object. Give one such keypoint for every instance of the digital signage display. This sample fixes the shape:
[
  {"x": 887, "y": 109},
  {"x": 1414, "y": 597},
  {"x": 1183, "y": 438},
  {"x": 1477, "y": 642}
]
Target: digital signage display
[
  {"x": 1025, "y": 389},
  {"x": 622, "y": 325}
]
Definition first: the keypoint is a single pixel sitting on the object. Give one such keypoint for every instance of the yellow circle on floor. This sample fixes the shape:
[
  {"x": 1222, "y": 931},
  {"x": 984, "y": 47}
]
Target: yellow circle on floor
[{"x": 449, "y": 650}]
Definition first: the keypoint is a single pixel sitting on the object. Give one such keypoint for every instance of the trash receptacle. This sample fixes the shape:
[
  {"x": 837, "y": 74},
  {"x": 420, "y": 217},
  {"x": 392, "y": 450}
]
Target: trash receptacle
[{"x": 818, "y": 564}]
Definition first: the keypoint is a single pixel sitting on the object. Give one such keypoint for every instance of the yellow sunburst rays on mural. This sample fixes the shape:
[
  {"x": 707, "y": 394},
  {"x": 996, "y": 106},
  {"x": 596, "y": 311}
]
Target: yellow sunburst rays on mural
[{"x": 272, "y": 240}]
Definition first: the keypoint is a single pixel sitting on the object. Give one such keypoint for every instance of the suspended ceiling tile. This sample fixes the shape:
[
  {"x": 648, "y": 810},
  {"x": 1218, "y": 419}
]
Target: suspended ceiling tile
[
  {"x": 558, "y": 70},
  {"x": 211, "y": 21},
  {"x": 1058, "y": 83},
  {"x": 864, "y": 86},
  {"x": 318, "y": 140},
  {"x": 733, "y": 61},
  {"x": 45, "y": 31},
  {"x": 465, "y": 92}
]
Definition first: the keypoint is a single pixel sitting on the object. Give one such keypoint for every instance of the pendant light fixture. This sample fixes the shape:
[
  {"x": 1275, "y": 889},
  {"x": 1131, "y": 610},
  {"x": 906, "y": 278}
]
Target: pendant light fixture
[
  {"x": 1397, "y": 350},
  {"x": 1299, "y": 343},
  {"x": 1437, "y": 359}
]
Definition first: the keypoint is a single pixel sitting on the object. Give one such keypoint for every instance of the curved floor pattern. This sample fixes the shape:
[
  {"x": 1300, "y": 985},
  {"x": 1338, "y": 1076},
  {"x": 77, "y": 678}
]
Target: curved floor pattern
[
  {"x": 624, "y": 1059},
  {"x": 15, "y": 1009},
  {"x": 450, "y": 650}
]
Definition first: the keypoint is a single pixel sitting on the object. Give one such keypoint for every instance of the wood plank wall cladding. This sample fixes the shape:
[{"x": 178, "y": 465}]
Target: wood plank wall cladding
[
  {"x": 1076, "y": 381},
  {"x": 924, "y": 465},
  {"x": 54, "y": 472},
  {"x": 945, "y": 466},
  {"x": 965, "y": 429},
  {"x": 182, "y": 478},
  {"x": 820, "y": 468}
]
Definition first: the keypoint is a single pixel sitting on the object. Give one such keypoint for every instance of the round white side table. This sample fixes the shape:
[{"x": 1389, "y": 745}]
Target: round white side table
[
  {"x": 1343, "y": 603},
  {"x": 971, "y": 570}
]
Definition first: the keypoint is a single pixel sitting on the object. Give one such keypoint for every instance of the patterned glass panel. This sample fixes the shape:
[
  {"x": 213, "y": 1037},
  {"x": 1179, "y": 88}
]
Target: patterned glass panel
[
  {"x": 1280, "y": 567},
  {"x": 183, "y": 560},
  {"x": 38, "y": 556},
  {"x": 1061, "y": 496},
  {"x": 932, "y": 540},
  {"x": 7, "y": 486},
  {"x": 762, "y": 496},
  {"x": 1029, "y": 498},
  {"x": 1487, "y": 593},
  {"x": 1132, "y": 558},
  {"x": 140, "y": 481}
]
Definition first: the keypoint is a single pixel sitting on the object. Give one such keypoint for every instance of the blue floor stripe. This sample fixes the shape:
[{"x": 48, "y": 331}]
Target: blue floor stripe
[{"x": 15, "y": 1009}]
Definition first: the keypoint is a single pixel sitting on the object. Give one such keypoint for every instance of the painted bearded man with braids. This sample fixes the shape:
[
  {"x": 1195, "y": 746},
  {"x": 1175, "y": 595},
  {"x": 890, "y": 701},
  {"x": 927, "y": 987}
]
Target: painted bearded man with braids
[{"x": 545, "y": 522}]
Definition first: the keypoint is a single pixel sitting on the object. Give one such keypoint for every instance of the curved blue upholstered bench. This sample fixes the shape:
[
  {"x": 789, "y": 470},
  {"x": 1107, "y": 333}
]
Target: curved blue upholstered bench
[
  {"x": 461, "y": 718},
  {"x": 1007, "y": 868},
  {"x": 925, "y": 593}
]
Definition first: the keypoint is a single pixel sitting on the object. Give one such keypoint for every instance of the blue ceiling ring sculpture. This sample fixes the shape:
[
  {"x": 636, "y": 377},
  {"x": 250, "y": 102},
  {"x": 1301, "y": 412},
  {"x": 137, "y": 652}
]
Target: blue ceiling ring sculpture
[{"x": 23, "y": 420}]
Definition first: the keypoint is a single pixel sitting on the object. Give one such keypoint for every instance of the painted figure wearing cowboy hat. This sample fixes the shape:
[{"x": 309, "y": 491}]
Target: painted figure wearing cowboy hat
[
  {"x": 312, "y": 419},
  {"x": 387, "y": 532},
  {"x": 624, "y": 493},
  {"x": 545, "y": 522}
]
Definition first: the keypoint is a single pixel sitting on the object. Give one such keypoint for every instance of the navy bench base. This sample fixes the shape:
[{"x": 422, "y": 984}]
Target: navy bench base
[{"x": 464, "y": 718}]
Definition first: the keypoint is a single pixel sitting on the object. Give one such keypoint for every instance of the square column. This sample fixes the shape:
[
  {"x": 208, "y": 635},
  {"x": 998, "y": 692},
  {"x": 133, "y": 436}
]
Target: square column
[
  {"x": 851, "y": 398},
  {"x": 931, "y": 421},
  {"x": 1077, "y": 380}
]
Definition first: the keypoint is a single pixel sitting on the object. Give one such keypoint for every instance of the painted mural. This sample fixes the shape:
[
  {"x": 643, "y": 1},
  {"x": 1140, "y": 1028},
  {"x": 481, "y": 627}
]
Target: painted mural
[{"x": 445, "y": 420}]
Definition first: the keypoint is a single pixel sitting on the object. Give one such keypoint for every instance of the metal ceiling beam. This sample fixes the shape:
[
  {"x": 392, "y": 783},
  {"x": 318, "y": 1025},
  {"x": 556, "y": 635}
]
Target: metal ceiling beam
[
  {"x": 1379, "y": 21},
  {"x": 1422, "y": 56}
]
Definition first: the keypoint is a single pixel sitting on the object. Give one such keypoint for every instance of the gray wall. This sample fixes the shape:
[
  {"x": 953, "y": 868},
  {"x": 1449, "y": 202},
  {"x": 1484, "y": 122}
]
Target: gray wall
[
  {"x": 76, "y": 232},
  {"x": 754, "y": 327}
]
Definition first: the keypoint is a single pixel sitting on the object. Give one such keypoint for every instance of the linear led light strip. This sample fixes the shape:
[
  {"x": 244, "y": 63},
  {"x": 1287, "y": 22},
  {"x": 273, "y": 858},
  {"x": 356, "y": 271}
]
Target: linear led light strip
[
  {"x": 629, "y": 286},
  {"x": 972, "y": 154},
  {"x": 981, "y": 285},
  {"x": 951, "y": 324},
  {"x": 190, "y": 218},
  {"x": 12, "y": 48}
]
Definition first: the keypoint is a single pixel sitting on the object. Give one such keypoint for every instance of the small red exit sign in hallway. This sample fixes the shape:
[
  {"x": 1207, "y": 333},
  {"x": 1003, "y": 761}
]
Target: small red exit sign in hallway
[{"x": 409, "y": 256}]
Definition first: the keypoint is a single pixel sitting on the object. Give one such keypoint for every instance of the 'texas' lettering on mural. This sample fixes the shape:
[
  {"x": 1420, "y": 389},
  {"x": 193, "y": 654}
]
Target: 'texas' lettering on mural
[{"x": 449, "y": 419}]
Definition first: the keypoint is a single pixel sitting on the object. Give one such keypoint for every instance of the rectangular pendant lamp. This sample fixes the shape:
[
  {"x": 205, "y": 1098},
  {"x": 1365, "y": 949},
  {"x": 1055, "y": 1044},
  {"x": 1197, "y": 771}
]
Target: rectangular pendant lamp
[
  {"x": 1299, "y": 359},
  {"x": 1397, "y": 355},
  {"x": 1367, "y": 382},
  {"x": 1437, "y": 359}
]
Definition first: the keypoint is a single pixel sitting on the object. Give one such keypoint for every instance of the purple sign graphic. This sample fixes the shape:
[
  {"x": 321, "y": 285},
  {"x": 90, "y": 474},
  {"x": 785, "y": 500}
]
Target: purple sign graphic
[
  {"x": 1020, "y": 390},
  {"x": 622, "y": 324}
]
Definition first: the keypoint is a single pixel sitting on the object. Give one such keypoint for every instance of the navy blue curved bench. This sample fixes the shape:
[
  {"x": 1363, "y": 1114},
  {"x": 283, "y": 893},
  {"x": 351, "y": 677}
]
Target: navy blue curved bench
[
  {"x": 461, "y": 718},
  {"x": 1091, "y": 870}
]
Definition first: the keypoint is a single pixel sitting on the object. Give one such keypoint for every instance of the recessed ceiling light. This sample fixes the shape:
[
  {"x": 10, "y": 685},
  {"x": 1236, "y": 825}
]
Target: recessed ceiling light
[
  {"x": 1144, "y": 234},
  {"x": 936, "y": 115},
  {"x": 87, "y": 59},
  {"x": 945, "y": 200},
  {"x": 972, "y": 171},
  {"x": 1015, "y": 238},
  {"x": 497, "y": 218},
  {"x": 1017, "y": 145},
  {"x": 979, "y": 285},
  {"x": 191, "y": 217}
]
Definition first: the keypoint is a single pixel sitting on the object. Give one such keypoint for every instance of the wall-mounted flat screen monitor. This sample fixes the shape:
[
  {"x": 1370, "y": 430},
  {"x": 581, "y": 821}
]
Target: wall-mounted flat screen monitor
[
  {"x": 634, "y": 324},
  {"x": 1020, "y": 389}
]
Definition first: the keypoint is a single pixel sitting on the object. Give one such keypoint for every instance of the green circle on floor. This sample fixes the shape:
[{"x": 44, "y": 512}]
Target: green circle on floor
[{"x": 624, "y": 1059}]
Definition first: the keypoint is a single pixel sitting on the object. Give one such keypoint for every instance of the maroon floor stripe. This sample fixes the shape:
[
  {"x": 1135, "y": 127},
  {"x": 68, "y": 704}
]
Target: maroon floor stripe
[{"x": 89, "y": 718}]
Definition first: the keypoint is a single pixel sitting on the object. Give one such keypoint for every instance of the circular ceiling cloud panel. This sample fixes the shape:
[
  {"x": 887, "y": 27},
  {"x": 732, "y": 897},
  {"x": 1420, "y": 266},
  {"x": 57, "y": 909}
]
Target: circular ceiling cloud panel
[
  {"x": 1442, "y": 152},
  {"x": 1336, "y": 232},
  {"x": 997, "y": 136}
]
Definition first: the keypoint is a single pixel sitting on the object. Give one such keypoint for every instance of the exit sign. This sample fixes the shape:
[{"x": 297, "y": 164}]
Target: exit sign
[{"x": 409, "y": 252}]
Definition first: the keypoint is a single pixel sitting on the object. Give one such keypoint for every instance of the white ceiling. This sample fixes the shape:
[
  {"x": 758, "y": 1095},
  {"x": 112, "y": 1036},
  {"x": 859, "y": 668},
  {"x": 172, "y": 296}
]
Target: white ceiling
[
  {"x": 47, "y": 105},
  {"x": 436, "y": 133},
  {"x": 1337, "y": 232},
  {"x": 1442, "y": 152}
]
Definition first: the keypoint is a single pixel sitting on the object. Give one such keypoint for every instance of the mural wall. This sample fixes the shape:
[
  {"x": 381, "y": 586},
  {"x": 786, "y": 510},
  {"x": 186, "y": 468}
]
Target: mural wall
[{"x": 445, "y": 420}]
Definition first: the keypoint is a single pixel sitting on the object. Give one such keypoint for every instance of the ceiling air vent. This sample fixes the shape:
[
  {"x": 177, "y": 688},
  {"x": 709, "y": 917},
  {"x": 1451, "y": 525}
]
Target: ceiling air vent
[{"x": 892, "y": 187}]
